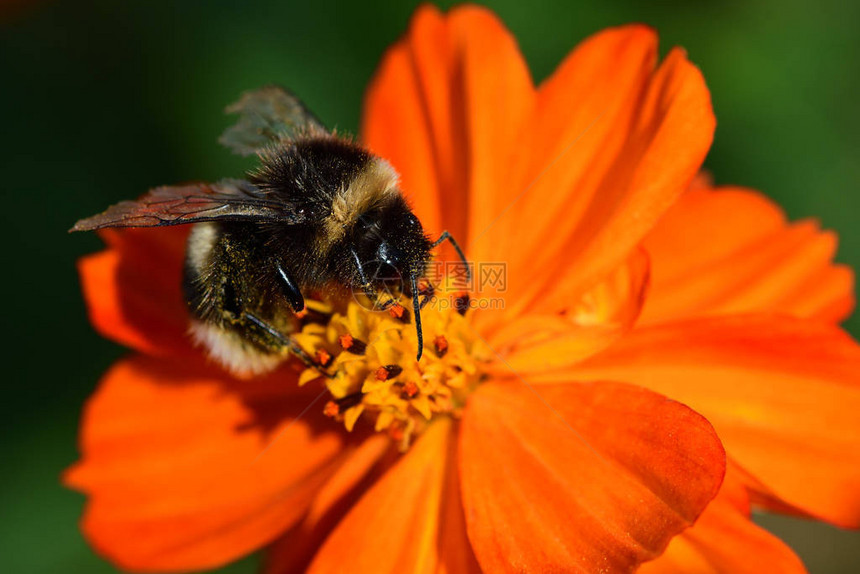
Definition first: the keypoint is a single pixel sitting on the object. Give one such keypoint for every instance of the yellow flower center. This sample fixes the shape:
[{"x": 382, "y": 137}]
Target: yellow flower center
[{"x": 367, "y": 361}]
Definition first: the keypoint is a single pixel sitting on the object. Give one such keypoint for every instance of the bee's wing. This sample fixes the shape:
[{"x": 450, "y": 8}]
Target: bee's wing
[
  {"x": 265, "y": 116},
  {"x": 228, "y": 200}
]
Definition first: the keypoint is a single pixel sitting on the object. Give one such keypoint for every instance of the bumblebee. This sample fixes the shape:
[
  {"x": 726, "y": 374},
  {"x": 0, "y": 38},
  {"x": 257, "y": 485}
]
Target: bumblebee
[{"x": 320, "y": 213}]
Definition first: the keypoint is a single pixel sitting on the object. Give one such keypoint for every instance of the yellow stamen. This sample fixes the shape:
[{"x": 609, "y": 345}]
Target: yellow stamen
[{"x": 374, "y": 377}]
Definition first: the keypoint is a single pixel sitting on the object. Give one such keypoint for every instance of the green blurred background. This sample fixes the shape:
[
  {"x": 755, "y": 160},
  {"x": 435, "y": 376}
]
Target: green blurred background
[{"x": 101, "y": 101}]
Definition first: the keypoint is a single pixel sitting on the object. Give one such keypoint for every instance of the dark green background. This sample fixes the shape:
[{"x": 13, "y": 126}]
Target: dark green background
[{"x": 100, "y": 102}]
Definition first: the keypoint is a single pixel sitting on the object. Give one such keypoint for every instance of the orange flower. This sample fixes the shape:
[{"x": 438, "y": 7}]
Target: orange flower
[{"x": 535, "y": 436}]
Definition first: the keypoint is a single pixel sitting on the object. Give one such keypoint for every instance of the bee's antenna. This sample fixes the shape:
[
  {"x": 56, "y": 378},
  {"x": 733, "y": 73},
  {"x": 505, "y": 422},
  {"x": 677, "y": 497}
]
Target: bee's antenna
[
  {"x": 447, "y": 236},
  {"x": 416, "y": 309}
]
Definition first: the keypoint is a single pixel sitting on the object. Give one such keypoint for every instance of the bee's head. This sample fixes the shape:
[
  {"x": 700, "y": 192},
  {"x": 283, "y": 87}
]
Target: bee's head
[
  {"x": 391, "y": 253},
  {"x": 390, "y": 243}
]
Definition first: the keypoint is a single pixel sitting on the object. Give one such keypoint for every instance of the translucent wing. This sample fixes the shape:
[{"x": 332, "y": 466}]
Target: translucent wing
[
  {"x": 267, "y": 115},
  {"x": 229, "y": 200}
]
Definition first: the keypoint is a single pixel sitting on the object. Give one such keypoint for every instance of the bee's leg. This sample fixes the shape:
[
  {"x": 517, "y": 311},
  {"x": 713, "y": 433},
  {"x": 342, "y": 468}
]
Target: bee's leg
[
  {"x": 371, "y": 293},
  {"x": 360, "y": 268},
  {"x": 427, "y": 293},
  {"x": 290, "y": 289},
  {"x": 287, "y": 342},
  {"x": 369, "y": 290},
  {"x": 388, "y": 304},
  {"x": 446, "y": 235}
]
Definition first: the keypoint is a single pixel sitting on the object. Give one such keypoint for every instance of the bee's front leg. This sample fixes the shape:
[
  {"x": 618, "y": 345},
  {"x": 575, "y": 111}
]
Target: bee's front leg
[
  {"x": 287, "y": 342},
  {"x": 371, "y": 293},
  {"x": 368, "y": 287},
  {"x": 290, "y": 289}
]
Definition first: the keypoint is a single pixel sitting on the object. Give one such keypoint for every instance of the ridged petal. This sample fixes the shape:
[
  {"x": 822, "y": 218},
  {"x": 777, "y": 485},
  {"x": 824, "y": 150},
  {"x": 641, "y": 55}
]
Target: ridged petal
[
  {"x": 725, "y": 540},
  {"x": 409, "y": 521},
  {"x": 187, "y": 469},
  {"x": 782, "y": 393},
  {"x": 133, "y": 289},
  {"x": 581, "y": 477},
  {"x": 729, "y": 250}
]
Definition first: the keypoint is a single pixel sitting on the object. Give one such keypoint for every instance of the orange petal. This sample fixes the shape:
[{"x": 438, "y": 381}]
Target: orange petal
[
  {"x": 453, "y": 108},
  {"x": 360, "y": 469},
  {"x": 578, "y": 329},
  {"x": 725, "y": 539},
  {"x": 782, "y": 393},
  {"x": 581, "y": 122},
  {"x": 447, "y": 107},
  {"x": 133, "y": 289},
  {"x": 396, "y": 124},
  {"x": 455, "y": 551},
  {"x": 403, "y": 523},
  {"x": 581, "y": 477},
  {"x": 616, "y": 299},
  {"x": 498, "y": 102},
  {"x": 729, "y": 250},
  {"x": 652, "y": 148},
  {"x": 187, "y": 469}
]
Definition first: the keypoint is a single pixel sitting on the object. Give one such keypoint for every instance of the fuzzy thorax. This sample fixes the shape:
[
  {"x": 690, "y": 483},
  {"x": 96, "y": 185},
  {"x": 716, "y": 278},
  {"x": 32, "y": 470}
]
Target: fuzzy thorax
[{"x": 374, "y": 184}]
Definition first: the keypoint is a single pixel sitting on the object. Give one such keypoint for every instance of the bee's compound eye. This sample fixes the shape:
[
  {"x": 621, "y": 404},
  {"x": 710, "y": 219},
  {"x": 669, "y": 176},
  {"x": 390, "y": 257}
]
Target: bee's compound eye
[{"x": 389, "y": 255}]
